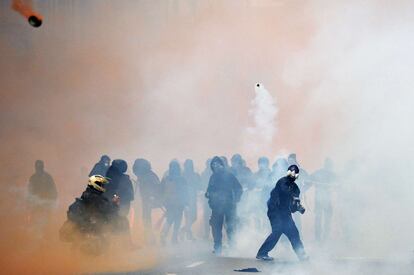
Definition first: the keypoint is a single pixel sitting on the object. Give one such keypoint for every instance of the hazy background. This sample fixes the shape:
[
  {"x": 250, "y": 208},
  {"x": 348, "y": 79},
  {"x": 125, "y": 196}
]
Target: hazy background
[{"x": 175, "y": 79}]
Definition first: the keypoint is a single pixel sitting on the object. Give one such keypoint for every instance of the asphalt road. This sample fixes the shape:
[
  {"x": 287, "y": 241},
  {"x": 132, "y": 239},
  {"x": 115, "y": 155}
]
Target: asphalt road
[{"x": 196, "y": 258}]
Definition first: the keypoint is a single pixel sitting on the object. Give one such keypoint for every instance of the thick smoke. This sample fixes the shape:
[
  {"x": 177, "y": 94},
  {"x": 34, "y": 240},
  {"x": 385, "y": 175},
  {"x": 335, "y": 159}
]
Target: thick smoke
[
  {"x": 164, "y": 80},
  {"x": 263, "y": 113}
]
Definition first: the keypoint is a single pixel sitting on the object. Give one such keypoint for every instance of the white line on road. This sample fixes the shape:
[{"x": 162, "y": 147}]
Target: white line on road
[{"x": 195, "y": 264}]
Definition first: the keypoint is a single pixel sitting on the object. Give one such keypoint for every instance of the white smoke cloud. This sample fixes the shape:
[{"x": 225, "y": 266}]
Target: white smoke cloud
[{"x": 263, "y": 112}]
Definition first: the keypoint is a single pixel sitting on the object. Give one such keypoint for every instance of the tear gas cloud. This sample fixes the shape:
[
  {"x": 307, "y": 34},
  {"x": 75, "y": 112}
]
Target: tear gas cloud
[{"x": 163, "y": 80}]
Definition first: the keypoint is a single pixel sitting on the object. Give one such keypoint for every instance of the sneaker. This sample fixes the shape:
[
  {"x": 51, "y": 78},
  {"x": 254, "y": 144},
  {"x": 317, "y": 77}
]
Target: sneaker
[{"x": 266, "y": 258}]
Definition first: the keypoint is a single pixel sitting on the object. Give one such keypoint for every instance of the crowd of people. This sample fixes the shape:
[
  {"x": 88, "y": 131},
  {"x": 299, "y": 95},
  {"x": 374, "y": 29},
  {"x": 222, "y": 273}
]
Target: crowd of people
[{"x": 229, "y": 195}]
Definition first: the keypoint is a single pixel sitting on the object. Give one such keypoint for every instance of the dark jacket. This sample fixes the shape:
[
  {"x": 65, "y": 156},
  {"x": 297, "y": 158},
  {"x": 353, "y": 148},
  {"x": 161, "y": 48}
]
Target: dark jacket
[
  {"x": 281, "y": 198},
  {"x": 119, "y": 184},
  {"x": 175, "y": 192},
  {"x": 224, "y": 190},
  {"x": 92, "y": 211}
]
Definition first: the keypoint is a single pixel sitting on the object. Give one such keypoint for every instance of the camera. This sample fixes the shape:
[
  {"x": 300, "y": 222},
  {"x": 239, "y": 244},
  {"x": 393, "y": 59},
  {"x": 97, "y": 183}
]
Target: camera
[{"x": 296, "y": 206}]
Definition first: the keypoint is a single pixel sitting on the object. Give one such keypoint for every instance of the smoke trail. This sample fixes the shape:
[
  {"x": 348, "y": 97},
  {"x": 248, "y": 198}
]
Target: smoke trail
[
  {"x": 263, "y": 112},
  {"x": 25, "y": 8}
]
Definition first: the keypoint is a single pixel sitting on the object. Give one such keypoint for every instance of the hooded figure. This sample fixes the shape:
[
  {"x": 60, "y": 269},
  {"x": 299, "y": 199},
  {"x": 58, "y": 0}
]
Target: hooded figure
[
  {"x": 150, "y": 189},
  {"x": 243, "y": 173},
  {"x": 101, "y": 167},
  {"x": 193, "y": 180},
  {"x": 224, "y": 192},
  {"x": 262, "y": 176},
  {"x": 42, "y": 197},
  {"x": 120, "y": 184},
  {"x": 41, "y": 184},
  {"x": 175, "y": 199},
  {"x": 284, "y": 200}
]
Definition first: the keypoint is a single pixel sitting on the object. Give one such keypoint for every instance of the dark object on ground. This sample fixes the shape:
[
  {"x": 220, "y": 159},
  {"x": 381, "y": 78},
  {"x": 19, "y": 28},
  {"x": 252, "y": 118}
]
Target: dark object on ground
[
  {"x": 35, "y": 21},
  {"x": 250, "y": 269}
]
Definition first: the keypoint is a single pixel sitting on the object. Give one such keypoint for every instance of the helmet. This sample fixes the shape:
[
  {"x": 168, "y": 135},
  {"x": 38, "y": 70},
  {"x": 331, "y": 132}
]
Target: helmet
[
  {"x": 293, "y": 171},
  {"x": 97, "y": 182}
]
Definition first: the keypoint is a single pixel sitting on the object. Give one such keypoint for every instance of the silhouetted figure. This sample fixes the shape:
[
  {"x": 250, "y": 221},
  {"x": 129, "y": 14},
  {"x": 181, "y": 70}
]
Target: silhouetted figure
[
  {"x": 42, "y": 188},
  {"x": 284, "y": 200},
  {"x": 150, "y": 190},
  {"x": 120, "y": 184},
  {"x": 101, "y": 167},
  {"x": 323, "y": 180},
  {"x": 224, "y": 192},
  {"x": 175, "y": 199},
  {"x": 91, "y": 217},
  {"x": 243, "y": 174},
  {"x": 262, "y": 176},
  {"x": 42, "y": 197},
  {"x": 205, "y": 177},
  {"x": 193, "y": 180}
]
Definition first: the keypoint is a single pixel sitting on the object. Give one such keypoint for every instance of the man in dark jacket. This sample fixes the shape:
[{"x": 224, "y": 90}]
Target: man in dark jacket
[
  {"x": 175, "y": 199},
  {"x": 150, "y": 190},
  {"x": 224, "y": 192},
  {"x": 101, "y": 167},
  {"x": 120, "y": 185},
  {"x": 284, "y": 200}
]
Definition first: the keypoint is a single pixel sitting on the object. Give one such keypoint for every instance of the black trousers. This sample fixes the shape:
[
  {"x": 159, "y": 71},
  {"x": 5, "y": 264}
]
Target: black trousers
[
  {"x": 283, "y": 225},
  {"x": 219, "y": 215}
]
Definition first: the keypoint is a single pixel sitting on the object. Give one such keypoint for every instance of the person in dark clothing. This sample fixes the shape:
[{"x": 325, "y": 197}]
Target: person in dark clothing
[
  {"x": 262, "y": 176},
  {"x": 243, "y": 173},
  {"x": 224, "y": 192},
  {"x": 120, "y": 184},
  {"x": 175, "y": 199},
  {"x": 193, "y": 180},
  {"x": 41, "y": 184},
  {"x": 205, "y": 177},
  {"x": 42, "y": 197},
  {"x": 150, "y": 190},
  {"x": 101, "y": 167},
  {"x": 284, "y": 200},
  {"x": 91, "y": 217}
]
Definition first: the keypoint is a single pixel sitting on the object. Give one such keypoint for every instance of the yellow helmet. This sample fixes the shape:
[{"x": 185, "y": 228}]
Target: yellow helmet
[{"x": 97, "y": 182}]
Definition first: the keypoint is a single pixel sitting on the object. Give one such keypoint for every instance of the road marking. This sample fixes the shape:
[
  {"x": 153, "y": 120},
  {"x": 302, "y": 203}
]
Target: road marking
[{"x": 195, "y": 264}]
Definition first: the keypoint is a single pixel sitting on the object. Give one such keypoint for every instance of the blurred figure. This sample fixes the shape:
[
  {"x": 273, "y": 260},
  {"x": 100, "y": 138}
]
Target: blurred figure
[
  {"x": 224, "y": 192},
  {"x": 150, "y": 190},
  {"x": 262, "y": 176},
  {"x": 205, "y": 177},
  {"x": 175, "y": 199},
  {"x": 101, "y": 167},
  {"x": 120, "y": 185},
  {"x": 284, "y": 200},
  {"x": 42, "y": 198},
  {"x": 91, "y": 217},
  {"x": 323, "y": 181},
  {"x": 194, "y": 185},
  {"x": 243, "y": 174}
]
